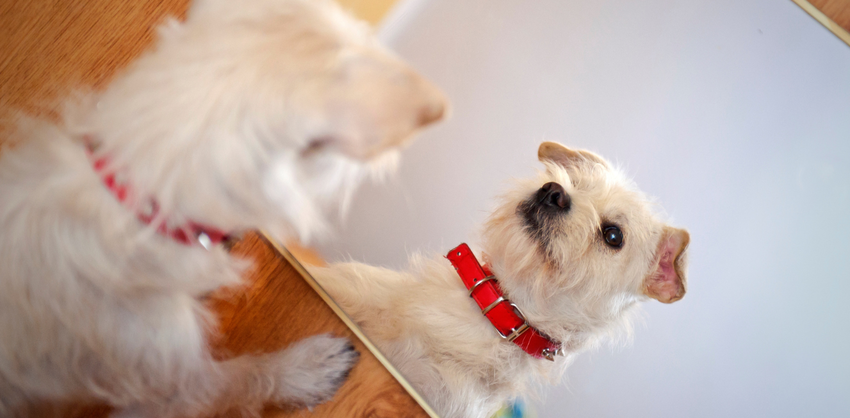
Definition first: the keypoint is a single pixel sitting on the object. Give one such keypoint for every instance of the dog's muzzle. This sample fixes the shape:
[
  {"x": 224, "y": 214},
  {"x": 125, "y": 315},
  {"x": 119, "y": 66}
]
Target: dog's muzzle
[
  {"x": 548, "y": 202},
  {"x": 553, "y": 197},
  {"x": 541, "y": 211}
]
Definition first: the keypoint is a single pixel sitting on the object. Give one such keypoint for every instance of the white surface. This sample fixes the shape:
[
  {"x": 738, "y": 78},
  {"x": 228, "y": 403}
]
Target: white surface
[{"x": 736, "y": 115}]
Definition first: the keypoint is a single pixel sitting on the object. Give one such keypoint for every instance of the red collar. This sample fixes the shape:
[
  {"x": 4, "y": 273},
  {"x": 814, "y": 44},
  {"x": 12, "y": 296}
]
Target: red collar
[
  {"x": 509, "y": 321},
  {"x": 189, "y": 233}
]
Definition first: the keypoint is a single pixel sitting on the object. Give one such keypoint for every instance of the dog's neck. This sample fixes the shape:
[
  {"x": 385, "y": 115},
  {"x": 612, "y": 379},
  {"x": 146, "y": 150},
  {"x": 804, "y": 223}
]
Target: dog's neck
[
  {"x": 575, "y": 330},
  {"x": 147, "y": 210},
  {"x": 505, "y": 316}
]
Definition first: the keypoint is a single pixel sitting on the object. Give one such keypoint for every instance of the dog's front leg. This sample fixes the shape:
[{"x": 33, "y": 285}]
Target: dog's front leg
[
  {"x": 304, "y": 374},
  {"x": 307, "y": 373}
]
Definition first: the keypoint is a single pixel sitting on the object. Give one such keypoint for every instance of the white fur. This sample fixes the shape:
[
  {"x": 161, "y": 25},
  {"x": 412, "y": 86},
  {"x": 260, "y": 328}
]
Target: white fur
[
  {"x": 574, "y": 288},
  {"x": 255, "y": 114}
]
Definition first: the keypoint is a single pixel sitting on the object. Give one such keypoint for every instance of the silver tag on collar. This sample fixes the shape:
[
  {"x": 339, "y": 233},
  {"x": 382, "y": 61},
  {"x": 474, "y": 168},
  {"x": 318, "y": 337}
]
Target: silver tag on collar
[{"x": 205, "y": 241}]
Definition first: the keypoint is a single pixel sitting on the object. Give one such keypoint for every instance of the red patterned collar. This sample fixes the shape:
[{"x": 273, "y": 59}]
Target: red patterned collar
[
  {"x": 505, "y": 316},
  {"x": 189, "y": 233}
]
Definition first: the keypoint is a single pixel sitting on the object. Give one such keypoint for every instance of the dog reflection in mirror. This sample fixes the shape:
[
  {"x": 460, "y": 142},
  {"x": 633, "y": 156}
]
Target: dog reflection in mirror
[
  {"x": 255, "y": 114},
  {"x": 572, "y": 252}
]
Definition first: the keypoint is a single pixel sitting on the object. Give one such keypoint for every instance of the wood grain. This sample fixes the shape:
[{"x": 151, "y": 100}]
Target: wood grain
[
  {"x": 837, "y": 10},
  {"x": 49, "y": 48}
]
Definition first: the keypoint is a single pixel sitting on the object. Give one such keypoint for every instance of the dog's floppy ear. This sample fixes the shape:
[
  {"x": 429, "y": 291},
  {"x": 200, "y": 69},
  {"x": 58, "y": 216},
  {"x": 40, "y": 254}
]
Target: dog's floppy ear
[
  {"x": 565, "y": 157},
  {"x": 666, "y": 280}
]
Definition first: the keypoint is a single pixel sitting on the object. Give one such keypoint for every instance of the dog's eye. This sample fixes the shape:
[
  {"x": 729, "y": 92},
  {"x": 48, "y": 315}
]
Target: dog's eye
[{"x": 613, "y": 236}]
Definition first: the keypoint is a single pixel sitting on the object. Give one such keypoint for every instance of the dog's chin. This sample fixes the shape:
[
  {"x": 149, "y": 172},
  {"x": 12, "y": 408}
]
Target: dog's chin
[
  {"x": 309, "y": 188},
  {"x": 384, "y": 165},
  {"x": 305, "y": 189}
]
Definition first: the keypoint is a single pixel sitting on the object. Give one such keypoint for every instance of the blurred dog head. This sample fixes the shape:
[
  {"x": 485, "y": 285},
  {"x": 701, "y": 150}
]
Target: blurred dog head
[
  {"x": 281, "y": 106},
  {"x": 579, "y": 244}
]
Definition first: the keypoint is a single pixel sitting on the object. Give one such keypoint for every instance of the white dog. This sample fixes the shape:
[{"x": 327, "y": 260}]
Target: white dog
[
  {"x": 251, "y": 114},
  {"x": 569, "y": 254}
]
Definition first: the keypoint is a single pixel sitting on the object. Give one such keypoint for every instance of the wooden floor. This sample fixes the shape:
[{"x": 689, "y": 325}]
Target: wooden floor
[{"x": 837, "y": 10}]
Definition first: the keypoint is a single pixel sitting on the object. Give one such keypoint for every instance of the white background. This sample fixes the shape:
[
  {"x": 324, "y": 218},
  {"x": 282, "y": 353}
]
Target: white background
[{"x": 734, "y": 114}]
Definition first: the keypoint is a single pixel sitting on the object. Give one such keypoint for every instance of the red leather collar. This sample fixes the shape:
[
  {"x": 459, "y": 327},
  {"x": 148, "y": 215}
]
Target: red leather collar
[
  {"x": 509, "y": 321},
  {"x": 189, "y": 233}
]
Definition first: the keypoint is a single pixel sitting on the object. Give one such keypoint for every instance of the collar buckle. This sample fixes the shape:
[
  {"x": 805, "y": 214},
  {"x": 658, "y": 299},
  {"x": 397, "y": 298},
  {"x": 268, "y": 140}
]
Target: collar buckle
[{"x": 515, "y": 332}]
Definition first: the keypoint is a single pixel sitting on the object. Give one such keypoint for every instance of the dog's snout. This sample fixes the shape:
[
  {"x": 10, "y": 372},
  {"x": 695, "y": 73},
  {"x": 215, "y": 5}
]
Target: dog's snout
[
  {"x": 555, "y": 196},
  {"x": 433, "y": 107},
  {"x": 431, "y": 103},
  {"x": 431, "y": 113}
]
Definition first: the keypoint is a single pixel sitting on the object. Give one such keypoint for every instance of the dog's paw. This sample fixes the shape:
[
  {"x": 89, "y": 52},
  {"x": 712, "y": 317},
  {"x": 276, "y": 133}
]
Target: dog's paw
[{"x": 313, "y": 369}]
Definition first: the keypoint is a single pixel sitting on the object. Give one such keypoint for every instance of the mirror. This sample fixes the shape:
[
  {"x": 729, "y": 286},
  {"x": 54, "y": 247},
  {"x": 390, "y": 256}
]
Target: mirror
[{"x": 734, "y": 115}]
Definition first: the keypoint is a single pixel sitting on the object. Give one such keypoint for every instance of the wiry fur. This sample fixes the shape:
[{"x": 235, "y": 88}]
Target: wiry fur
[
  {"x": 568, "y": 282},
  {"x": 254, "y": 114}
]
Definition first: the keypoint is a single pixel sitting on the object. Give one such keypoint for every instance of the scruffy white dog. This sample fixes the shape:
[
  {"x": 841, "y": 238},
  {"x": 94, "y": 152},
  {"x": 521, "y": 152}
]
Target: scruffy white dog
[
  {"x": 250, "y": 114},
  {"x": 568, "y": 256}
]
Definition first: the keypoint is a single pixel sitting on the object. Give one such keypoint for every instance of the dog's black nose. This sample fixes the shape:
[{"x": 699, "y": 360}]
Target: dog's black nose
[{"x": 555, "y": 196}]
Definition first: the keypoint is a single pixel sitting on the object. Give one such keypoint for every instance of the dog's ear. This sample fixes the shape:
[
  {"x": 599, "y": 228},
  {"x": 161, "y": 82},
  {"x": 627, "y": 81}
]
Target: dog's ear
[
  {"x": 565, "y": 157},
  {"x": 666, "y": 281}
]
